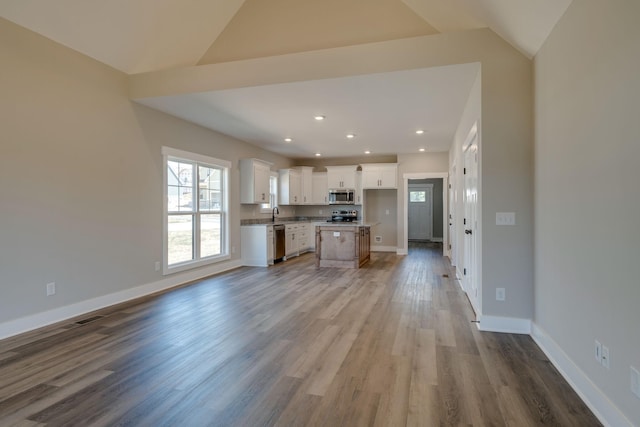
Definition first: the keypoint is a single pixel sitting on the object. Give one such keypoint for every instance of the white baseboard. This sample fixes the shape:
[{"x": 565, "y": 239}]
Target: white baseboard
[
  {"x": 509, "y": 325},
  {"x": 38, "y": 320},
  {"x": 608, "y": 414},
  {"x": 402, "y": 251},
  {"x": 383, "y": 249}
]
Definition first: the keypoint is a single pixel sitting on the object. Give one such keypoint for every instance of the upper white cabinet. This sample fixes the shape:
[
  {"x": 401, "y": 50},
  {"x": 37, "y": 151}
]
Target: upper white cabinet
[
  {"x": 290, "y": 187},
  {"x": 341, "y": 176},
  {"x": 306, "y": 185},
  {"x": 379, "y": 175},
  {"x": 254, "y": 181},
  {"x": 320, "y": 189}
]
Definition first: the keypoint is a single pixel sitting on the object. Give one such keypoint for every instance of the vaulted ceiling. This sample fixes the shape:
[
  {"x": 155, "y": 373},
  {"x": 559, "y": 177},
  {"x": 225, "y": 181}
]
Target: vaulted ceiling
[
  {"x": 146, "y": 35},
  {"x": 142, "y": 36}
]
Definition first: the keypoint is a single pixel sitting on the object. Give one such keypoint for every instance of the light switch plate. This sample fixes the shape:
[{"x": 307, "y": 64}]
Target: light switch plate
[{"x": 505, "y": 218}]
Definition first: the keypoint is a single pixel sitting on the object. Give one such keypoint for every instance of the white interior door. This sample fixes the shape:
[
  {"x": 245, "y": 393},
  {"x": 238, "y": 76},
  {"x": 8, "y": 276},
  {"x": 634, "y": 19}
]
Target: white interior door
[
  {"x": 470, "y": 201},
  {"x": 451, "y": 222},
  {"x": 420, "y": 212}
]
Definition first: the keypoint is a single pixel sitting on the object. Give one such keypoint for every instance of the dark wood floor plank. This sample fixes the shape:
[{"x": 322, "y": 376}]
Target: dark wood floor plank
[{"x": 389, "y": 344}]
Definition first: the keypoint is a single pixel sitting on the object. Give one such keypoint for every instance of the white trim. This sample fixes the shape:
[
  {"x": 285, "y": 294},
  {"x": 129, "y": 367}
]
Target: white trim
[
  {"x": 188, "y": 155},
  {"x": 38, "y": 320},
  {"x": 405, "y": 215},
  {"x": 509, "y": 325},
  {"x": 593, "y": 397},
  {"x": 226, "y": 166},
  {"x": 437, "y": 240},
  {"x": 383, "y": 249}
]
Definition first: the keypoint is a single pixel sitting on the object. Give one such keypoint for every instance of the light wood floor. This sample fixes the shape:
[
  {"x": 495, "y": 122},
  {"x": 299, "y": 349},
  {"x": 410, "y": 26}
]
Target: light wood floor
[{"x": 391, "y": 344}]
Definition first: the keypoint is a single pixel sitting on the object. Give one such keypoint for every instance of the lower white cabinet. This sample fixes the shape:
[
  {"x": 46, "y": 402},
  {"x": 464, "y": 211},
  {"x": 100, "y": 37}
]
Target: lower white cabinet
[
  {"x": 258, "y": 242},
  {"x": 257, "y": 245},
  {"x": 291, "y": 240}
]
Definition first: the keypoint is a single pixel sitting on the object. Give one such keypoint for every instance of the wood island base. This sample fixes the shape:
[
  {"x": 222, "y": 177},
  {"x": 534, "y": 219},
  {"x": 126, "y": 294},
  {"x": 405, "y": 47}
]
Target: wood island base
[{"x": 343, "y": 245}]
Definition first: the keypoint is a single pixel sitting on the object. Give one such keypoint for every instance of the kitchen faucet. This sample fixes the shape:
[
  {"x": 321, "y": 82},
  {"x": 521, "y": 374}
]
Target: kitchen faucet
[{"x": 274, "y": 211}]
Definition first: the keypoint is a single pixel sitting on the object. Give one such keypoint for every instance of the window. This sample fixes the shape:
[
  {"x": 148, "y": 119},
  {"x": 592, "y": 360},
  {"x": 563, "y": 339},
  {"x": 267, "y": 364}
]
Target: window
[
  {"x": 417, "y": 196},
  {"x": 196, "y": 219},
  {"x": 273, "y": 194}
]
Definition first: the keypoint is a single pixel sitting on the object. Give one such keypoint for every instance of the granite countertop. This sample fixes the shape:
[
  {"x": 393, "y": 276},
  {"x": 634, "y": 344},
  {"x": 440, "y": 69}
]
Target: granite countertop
[
  {"x": 348, "y": 224},
  {"x": 283, "y": 220}
]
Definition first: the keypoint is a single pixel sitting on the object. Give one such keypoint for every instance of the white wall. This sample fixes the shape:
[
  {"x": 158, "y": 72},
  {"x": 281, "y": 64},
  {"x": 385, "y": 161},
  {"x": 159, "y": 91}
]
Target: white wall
[
  {"x": 81, "y": 173},
  {"x": 587, "y": 238}
]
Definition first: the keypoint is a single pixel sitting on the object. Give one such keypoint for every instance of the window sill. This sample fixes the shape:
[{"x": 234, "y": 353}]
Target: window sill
[{"x": 189, "y": 265}]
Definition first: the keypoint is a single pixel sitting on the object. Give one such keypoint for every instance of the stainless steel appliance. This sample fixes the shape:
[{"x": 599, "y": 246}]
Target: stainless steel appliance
[
  {"x": 341, "y": 196},
  {"x": 344, "y": 216},
  {"x": 278, "y": 242}
]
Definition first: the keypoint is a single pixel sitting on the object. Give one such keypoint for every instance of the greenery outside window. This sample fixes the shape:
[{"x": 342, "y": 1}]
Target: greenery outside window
[
  {"x": 195, "y": 210},
  {"x": 417, "y": 196}
]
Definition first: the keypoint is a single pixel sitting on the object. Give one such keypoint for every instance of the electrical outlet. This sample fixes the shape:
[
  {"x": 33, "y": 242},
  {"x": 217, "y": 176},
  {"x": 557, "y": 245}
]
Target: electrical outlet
[
  {"x": 598, "y": 352},
  {"x": 51, "y": 289},
  {"x": 378, "y": 239},
  {"x": 157, "y": 266},
  {"x": 319, "y": 211},
  {"x": 386, "y": 212},
  {"x": 501, "y": 294},
  {"x": 606, "y": 361},
  {"x": 233, "y": 249},
  {"x": 635, "y": 382}
]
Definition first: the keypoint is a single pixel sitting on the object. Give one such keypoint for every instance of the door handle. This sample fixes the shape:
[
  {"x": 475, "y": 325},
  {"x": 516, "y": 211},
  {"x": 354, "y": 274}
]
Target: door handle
[{"x": 468, "y": 232}]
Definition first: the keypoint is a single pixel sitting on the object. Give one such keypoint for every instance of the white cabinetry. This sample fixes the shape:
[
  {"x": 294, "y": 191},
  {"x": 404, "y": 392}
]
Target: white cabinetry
[
  {"x": 342, "y": 176},
  {"x": 254, "y": 181},
  {"x": 291, "y": 240},
  {"x": 306, "y": 184},
  {"x": 379, "y": 175},
  {"x": 303, "y": 237},
  {"x": 257, "y": 245},
  {"x": 290, "y": 187},
  {"x": 320, "y": 189}
]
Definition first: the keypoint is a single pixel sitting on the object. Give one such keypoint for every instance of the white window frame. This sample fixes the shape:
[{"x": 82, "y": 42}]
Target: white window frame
[
  {"x": 273, "y": 196},
  {"x": 168, "y": 154}
]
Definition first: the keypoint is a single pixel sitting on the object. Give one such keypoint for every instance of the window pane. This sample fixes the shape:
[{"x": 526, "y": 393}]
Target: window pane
[
  {"x": 210, "y": 235},
  {"x": 273, "y": 194},
  {"x": 180, "y": 238},
  {"x": 209, "y": 188},
  {"x": 180, "y": 186},
  {"x": 417, "y": 196}
]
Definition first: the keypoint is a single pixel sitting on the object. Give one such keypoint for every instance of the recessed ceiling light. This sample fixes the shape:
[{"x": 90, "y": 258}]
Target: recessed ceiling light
[
  {"x": 318, "y": 154},
  {"x": 319, "y": 118},
  {"x": 288, "y": 140},
  {"x": 351, "y": 135},
  {"x": 419, "y": 131},
  {"x": 421, "y": 149},
  {"x": 367, "y": 152}
]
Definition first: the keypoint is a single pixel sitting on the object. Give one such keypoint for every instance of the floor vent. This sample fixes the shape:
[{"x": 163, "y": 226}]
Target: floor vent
[
  {"x": 445, "y": 275},
  {"x": 88, "y": 320}
]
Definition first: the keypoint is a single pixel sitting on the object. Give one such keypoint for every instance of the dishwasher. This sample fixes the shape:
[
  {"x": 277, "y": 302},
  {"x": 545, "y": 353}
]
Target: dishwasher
[{"x": 278, "y": 242}]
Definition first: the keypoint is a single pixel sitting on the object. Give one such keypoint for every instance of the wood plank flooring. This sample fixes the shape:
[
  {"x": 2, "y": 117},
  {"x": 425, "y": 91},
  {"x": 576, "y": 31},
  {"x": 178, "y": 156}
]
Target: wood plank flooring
[{"x": 390, "y": 344}]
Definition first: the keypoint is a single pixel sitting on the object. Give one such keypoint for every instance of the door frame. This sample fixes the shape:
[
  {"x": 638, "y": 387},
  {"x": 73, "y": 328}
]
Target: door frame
[{"x": 405, "y": 203}]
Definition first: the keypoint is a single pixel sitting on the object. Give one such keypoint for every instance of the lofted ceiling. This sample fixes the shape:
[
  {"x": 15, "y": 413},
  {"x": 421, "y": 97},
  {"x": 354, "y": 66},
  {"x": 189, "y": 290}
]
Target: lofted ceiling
[{"x": 383, "y": 110}]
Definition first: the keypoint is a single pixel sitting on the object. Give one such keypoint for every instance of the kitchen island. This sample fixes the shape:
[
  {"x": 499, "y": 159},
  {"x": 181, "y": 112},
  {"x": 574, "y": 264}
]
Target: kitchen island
[{"x": 342, "y": 245}]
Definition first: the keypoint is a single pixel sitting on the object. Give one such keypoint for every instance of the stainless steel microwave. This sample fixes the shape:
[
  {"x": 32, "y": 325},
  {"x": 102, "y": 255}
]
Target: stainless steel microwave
[{"x": 342, "y": 196}]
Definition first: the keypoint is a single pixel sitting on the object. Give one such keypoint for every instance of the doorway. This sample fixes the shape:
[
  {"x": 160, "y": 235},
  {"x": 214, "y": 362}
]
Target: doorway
[
  {"x": 420, "y": 208},
  {"x": 439, "y": 210}
]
